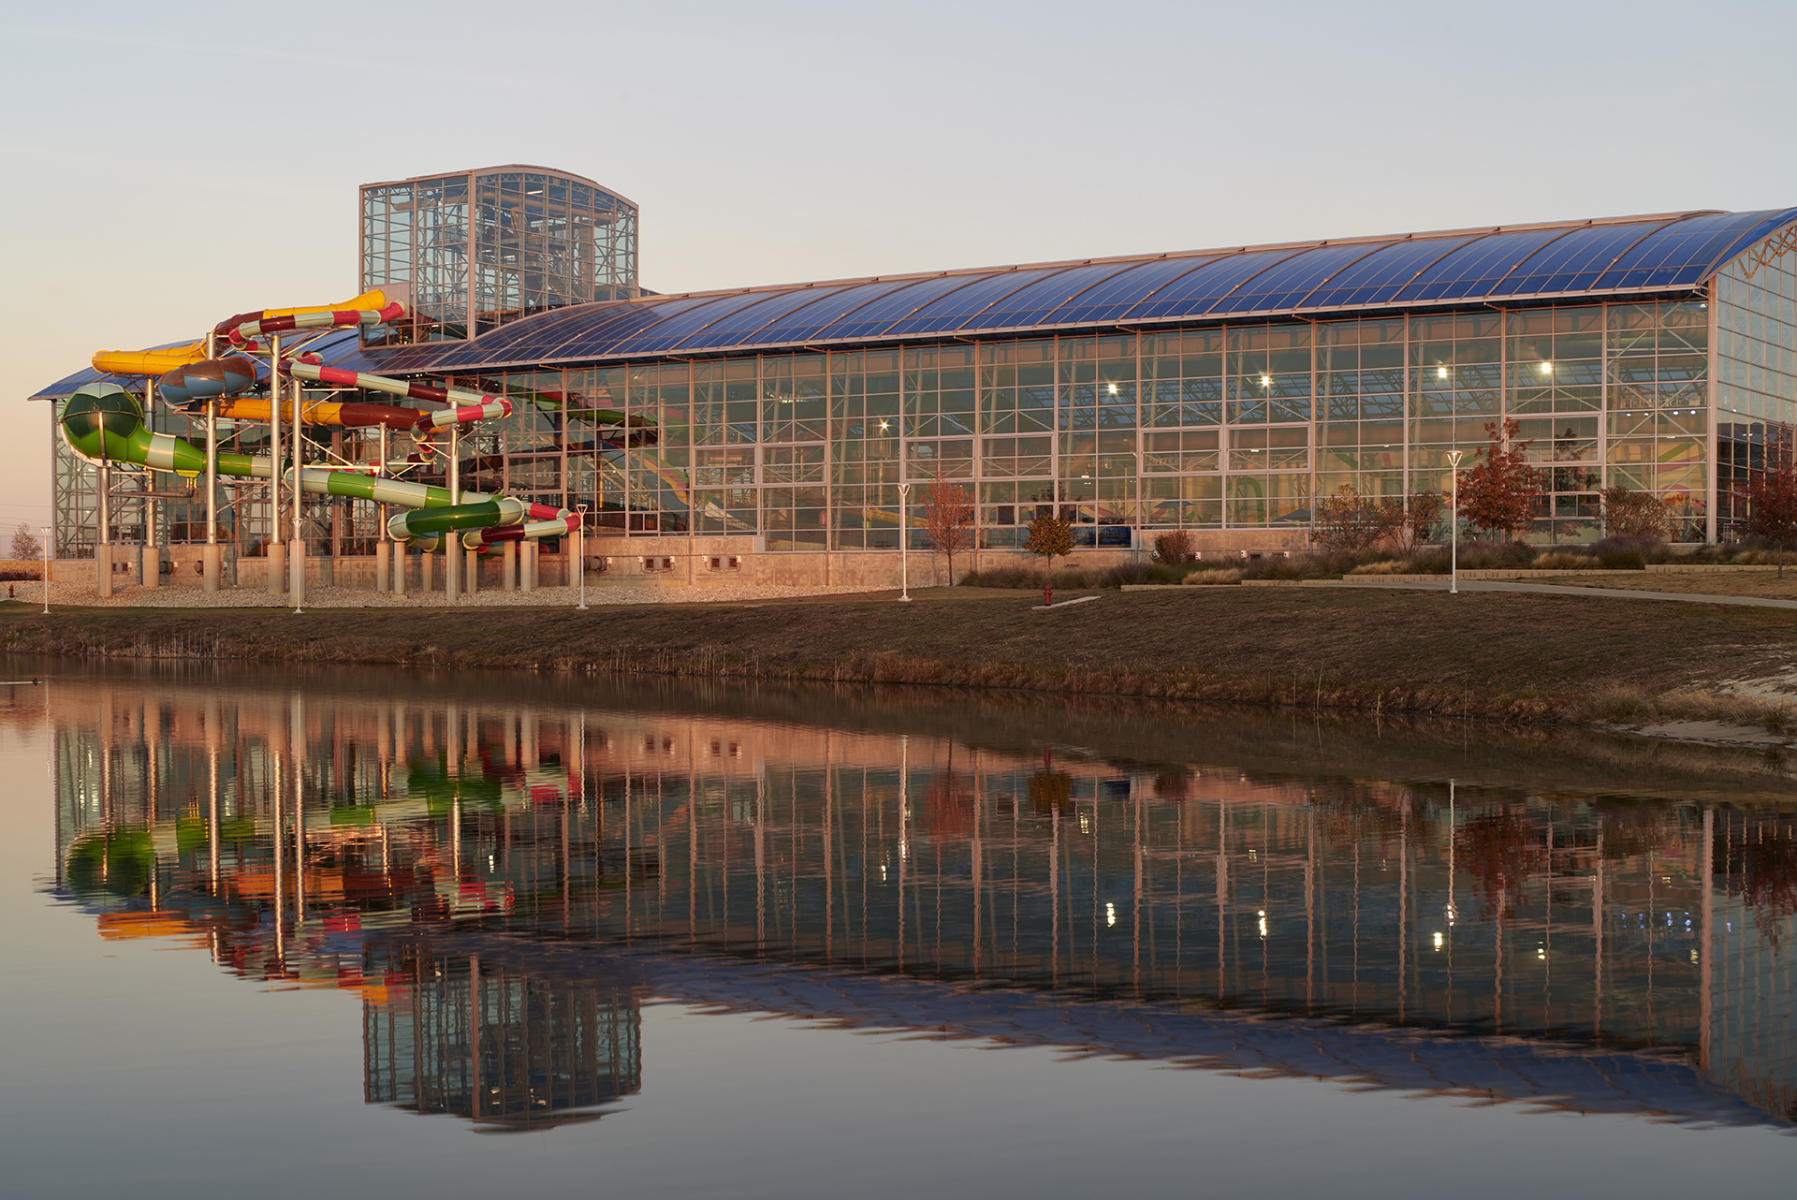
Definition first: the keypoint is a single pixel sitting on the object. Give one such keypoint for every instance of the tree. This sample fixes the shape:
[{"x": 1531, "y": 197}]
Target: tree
[
  {"x": 25, "y": 544},
  {"x": 948, "y": 519},
  {"x": 1499, "y": 493},
  {"x": 1421, "y": 512},
  {"x": 1050, "y": 538},
  {"x": 1770, "y": 496},
  {"x": 1353, "y": 522},
  {"x": 1632, "y": 514}
]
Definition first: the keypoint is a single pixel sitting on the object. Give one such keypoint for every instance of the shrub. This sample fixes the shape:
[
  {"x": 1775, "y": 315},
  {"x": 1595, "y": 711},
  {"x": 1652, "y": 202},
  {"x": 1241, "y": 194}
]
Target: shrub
[
  {"x": 1495, "y": 556},
  {"x": 1623, "y": 553},
  {"x": 1148, "y": 572},
  {"x": 1027, "y": 577},
  {"x": 1562, "y": 560},
  {"x": 1429, "y": 562},
  {"x": 1174, "y": 547},
  {"x": 1387, "y": 566},
  {"x": 1632, "y": 514},
  {"x": 1352, "y": 522},
  {"x": 1213, "y": 576}
]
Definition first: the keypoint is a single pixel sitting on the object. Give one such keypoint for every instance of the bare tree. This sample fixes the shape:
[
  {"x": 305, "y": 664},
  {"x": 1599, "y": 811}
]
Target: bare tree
[
  {"x": 25, "y": 544},
  {"x": 948, "y": 519}
]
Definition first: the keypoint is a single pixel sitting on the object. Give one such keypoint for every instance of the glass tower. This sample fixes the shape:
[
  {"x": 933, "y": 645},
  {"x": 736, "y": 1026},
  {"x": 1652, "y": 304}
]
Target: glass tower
[{"x": 480, "y": 248}]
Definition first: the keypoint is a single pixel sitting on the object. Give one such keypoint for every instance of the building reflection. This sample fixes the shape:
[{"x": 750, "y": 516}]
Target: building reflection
[{"x": 506, "y": 884}]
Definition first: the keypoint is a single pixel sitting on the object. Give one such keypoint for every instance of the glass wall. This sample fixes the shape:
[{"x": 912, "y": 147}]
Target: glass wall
[
  {"x": 1215, "y": 429},
  {"x": 479, "y": 249},
  {"x": 1208, "y": 429},
  {"x": 1756, "y": 361}
]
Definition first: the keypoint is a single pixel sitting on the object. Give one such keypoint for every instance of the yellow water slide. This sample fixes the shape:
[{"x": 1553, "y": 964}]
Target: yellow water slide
[{"x": 159, "y": 362}]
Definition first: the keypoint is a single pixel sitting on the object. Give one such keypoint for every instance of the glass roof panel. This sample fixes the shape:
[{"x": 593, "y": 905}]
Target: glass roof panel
[
  {"x": 1574, "y": 262},
  {"x": 1376, "y": 277},
  {"x": 1197, "y": 292},
  {"x": 812, "y": 320},
  {"x": 896, "y": 305},
  {"x": 731, "y": 330},
  {"x": 1476, "y": 266},
  {"x": 1687, "y": 251},
  {"x": 676, "y": 327},
  {"x": 1125, "y": 289},
  {"x": 969, "y": 305},
  {"x": 628, "y": 319},
  {"x": 1285, "y": 284},
  {"x": 1032, "y": 305}
]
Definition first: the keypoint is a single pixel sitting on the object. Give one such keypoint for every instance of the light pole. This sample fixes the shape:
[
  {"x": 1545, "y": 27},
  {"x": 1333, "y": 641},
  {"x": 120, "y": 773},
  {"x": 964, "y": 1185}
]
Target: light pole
[
  {"x": 46, "y": 570},
  {"x": 1454, "y": 457},
  {"x": 580, "y": 557},
  {"x": 904, "y": 541}
]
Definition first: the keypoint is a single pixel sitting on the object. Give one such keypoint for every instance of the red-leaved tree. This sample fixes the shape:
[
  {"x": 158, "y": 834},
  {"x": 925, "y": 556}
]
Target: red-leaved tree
[
  {"x": 948, "y": 519},
  {"x": 1499, "y": 493},
  {"x": 1770, "y": 496}
]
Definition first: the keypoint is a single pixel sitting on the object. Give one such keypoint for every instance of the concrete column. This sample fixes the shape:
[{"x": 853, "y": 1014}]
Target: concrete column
[
  {"x": 400, "y": 567},
  {"x": 296, "y": 570},
  {"x": 103, "y": 569},
  {"x": 383, "y": 568},
  {"x": 510, "y": 572},
  {"x": 211, "y": 561},
  {"x": 425, "y": 563},
  {"x": 527, "y": 566},
  {"x": 277, "y": 565},
  {"x": 471, "y": 577},
  {"x": 452, "y": 570},
  {"x": 152, "y": 565}
]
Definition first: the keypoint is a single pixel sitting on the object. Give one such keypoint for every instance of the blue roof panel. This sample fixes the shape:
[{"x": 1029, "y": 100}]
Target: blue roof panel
[
  {"x": 1685, "y": 253},
  {"x": 1196, "y": 293},
  {"x": 1574, "y": 262},
  {"x": 1474, "y": 266},
  {"x": 1031, "y": 305},
  {"x": 809, "y": 322},
  {"x": 1286, "y": 284},
  {"x": 1126, "y": 287},
  {"x": 676, "y": 327},
  {"x": 748, "y": 320},
  {"x": 968, "y": 305},
  {"x": 888, "y": 307},
  {"x": 1378, "y": 275}
]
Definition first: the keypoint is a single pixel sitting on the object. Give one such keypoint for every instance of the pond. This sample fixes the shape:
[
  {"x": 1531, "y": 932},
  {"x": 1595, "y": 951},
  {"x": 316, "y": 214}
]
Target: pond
[{"x": 277, "y": 933}]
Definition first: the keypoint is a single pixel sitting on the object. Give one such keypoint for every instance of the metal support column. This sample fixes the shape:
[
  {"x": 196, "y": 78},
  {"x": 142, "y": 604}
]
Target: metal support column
[{"x": 277, "y": 552}]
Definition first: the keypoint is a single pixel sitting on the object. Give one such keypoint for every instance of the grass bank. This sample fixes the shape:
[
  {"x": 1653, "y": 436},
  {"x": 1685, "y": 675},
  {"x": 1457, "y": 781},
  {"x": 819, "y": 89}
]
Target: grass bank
[{"x": 1515, "y": 658}]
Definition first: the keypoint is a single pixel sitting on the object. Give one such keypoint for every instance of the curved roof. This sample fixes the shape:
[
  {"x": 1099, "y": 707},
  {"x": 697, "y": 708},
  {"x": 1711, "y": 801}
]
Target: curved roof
[
  {"x": 1567, "y": 260},
  {"x": 1652, "y": 254}
]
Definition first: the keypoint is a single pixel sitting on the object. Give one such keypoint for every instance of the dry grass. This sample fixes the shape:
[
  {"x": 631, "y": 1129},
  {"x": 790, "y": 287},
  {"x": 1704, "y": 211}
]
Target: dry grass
[
  {"x": 1512, "y": 657},
  {"x": 1764, "y": 584}
]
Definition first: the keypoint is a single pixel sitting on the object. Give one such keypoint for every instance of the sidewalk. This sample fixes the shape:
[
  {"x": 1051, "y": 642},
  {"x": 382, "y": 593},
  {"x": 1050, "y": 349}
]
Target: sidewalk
[{"x": 1550, "y": 589}]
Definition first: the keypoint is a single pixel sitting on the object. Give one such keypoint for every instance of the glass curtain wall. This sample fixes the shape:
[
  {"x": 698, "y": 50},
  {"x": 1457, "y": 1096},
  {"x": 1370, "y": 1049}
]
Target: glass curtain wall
[
  {"x": 1233, "y": 428},
  {"x": 1756, "y": 363},
  {"x": 1207, "y": 429}
]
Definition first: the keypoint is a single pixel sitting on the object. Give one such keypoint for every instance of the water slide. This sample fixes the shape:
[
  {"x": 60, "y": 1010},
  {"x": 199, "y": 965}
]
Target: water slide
[{"x": 104, "y": 422}]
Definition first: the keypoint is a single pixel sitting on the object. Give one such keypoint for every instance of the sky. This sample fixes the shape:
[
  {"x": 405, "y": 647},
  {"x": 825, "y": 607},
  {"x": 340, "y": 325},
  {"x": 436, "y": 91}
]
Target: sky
[{"x": 167, "y": 165}]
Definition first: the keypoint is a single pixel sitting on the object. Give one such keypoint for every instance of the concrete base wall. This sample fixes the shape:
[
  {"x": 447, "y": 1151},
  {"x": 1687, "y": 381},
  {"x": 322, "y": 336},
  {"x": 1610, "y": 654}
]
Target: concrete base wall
[{"x": 676, "y": 560}]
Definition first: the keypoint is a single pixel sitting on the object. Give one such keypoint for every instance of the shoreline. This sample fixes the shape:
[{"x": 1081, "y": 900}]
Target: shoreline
[{"x": 1518, "y": 660}]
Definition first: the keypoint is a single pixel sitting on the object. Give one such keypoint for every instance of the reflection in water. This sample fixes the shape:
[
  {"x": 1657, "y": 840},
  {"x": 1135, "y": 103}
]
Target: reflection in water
[{"x": 505, "y": 884}]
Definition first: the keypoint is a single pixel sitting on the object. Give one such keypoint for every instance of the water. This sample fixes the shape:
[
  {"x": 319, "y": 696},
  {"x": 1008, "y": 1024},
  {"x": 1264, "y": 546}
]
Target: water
[{"x": 317, "y": 932}]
